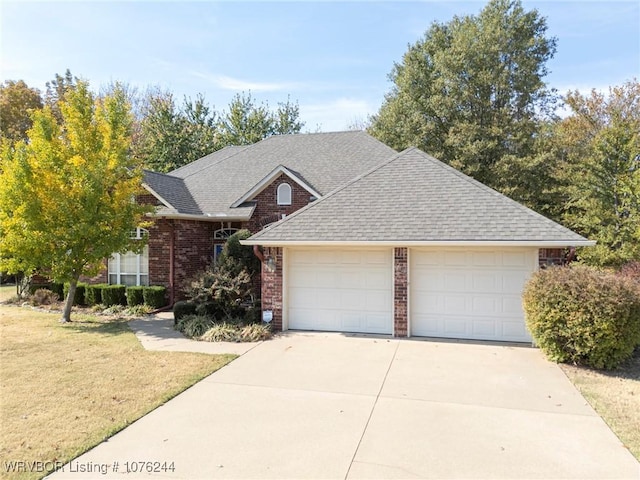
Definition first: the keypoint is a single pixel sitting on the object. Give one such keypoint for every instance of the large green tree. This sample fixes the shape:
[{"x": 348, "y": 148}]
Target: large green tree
[
  {"x": 17, "y": 102},
  {"x": 66, "y": 195},
  {"x": 171, "y": 135},
  {"x": 601, "y": 140},
  {"x": 471, "y": 93},
  {"x": 163, "y": 143}
]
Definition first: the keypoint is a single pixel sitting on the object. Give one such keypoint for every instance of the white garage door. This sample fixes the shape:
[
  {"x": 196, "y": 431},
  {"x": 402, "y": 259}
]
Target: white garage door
[
  {"x": 471, "y": 294},
  {"x": 340, "y": 290}
]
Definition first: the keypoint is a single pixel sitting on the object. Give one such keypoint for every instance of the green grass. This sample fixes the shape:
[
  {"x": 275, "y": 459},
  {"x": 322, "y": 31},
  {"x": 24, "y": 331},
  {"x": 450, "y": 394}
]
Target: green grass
[{"x": 66, "y": 388}]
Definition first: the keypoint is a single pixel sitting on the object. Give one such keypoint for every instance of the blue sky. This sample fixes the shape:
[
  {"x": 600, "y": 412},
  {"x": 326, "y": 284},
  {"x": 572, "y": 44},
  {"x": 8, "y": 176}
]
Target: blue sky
[{"x": 332, "y": 57}]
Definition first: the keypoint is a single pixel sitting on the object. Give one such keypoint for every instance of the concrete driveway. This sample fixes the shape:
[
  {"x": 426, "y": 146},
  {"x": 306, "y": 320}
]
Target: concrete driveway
[{"x": 332, "y": 406}]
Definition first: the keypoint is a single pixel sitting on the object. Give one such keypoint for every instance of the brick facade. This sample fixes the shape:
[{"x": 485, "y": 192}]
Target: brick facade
[
  {"x": 552, "y": 256},
  {"x": 400, "y": 297},
  {"x": 272, "y": 286},
  {"x": 267, "y": 209}
]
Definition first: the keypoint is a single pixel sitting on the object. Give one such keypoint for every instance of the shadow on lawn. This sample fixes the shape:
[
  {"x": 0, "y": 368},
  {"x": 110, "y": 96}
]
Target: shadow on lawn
[{"x": 100, "y": 327}]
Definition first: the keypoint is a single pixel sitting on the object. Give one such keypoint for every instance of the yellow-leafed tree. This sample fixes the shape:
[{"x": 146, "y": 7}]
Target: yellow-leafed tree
[{"x": 67, "y": 193}]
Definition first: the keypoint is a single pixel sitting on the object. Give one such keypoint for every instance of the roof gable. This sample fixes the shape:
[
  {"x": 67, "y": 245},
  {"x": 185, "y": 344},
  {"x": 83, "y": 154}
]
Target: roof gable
[
  {"x": 322, "y": 161},
  {"x": 415, "y": 199},
  {"x": 266, "y": 181}
]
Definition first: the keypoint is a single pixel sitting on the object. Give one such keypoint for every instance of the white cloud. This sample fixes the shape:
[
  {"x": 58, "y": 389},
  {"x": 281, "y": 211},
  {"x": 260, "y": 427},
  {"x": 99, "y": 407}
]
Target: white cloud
[
  {"x": 335, "y": 115},
  {"x": 234, "y": 84}
]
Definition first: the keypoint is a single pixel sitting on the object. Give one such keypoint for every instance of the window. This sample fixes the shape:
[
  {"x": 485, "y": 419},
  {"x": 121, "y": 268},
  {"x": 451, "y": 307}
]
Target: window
[
  {"x": 130, "y": 268},
  {"x": 284, "y": 194},
  {"x": 224, "y": 233}
]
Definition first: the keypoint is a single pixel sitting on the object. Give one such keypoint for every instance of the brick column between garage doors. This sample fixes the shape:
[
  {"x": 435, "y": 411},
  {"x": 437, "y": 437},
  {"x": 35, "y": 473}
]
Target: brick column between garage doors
[
  {"x": 400, "y": 297},
  {"x": 272, "y": 286}
]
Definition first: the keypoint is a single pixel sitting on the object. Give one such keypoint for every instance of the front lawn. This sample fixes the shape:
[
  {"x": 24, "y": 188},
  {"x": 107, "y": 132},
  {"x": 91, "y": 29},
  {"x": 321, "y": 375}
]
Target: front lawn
[
  {"x": 615, "y": 395},
  {"x": 66, "y": 388}
]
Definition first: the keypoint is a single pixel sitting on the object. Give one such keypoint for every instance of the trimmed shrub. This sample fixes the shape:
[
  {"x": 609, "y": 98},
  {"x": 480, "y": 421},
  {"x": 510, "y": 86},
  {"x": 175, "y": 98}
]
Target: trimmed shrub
[
  {"x": 78, "y": 298},
  {"x": 154, "y": 296},
  {"x": 93, "y": 293},
  {"x": 181, "y": 309},
  {"x": 114, "y": 295},
  {"x": 582, "y": 315},
  {"x": 135, "y": 296},
  {"x": 194, "y": 326},
  {"x": 58, "y": 289},
  {"x": 210, "y": 309}
]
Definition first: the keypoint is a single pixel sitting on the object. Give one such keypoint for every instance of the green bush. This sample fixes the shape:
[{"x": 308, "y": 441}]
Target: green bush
[
  {"x": 78, "y": 298},
  {"x": 181, "y": 309},
  {"x": 93, "y": 293},
  {"x": 114, "y": 295},
  {"x": 582, "y": 315},
  {"x": 135, "y": 296},
  {"x": 58, "y": 289},
  {"x": 210, "y": 309},
  {"x": 194, "y": 326},
  {"x": 154, "y": 296}
]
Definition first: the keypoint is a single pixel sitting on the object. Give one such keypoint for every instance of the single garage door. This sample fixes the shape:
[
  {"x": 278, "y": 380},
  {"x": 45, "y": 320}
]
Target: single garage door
[
  {"x": 340, "y": 290},
  {"x": 470, "y": 294}
]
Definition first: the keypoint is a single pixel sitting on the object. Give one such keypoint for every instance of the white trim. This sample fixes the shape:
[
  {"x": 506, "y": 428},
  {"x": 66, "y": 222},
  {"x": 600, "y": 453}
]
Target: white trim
[
  {"x": 421, "y": 243},
  {"x": 285, "y": 288},
  {"x": 201, "y": 218},
  {"x": 408, "y": 292},
  {"x": 266, "y": 181}
]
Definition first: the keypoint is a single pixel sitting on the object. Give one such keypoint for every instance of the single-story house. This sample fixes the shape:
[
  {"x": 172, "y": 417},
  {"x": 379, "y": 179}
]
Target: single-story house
[
  {"x": 412, "y": 247},
  {"x": 199, "y": 205},
  {"x": 355, "y": 237}
]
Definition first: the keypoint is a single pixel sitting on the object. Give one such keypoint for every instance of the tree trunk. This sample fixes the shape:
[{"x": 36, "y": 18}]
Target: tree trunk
[{"x": 66, "y": 312}]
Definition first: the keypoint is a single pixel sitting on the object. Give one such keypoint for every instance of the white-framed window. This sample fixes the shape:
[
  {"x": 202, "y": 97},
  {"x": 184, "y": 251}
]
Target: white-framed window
[
  {"x": 130, "y": 268},
  {"x": 284, "y": 194},
  {"x": 224, "y": 233}
]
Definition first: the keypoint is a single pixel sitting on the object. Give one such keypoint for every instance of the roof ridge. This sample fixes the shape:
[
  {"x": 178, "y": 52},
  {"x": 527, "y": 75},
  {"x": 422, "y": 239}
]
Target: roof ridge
[
  {"x": 241, "y": 148},
  {"x": 334, "y": 191}
]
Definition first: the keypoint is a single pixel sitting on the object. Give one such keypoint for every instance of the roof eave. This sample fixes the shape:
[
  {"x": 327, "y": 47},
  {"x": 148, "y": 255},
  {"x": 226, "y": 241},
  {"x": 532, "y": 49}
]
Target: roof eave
[
  {"x": 201, "y": 218},
  {"x": 420, "y": 243}
]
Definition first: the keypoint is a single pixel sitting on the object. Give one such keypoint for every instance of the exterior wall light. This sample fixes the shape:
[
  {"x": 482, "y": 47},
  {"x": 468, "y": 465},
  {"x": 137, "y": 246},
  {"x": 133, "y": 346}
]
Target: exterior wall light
[{"x": 270, "y": 264}]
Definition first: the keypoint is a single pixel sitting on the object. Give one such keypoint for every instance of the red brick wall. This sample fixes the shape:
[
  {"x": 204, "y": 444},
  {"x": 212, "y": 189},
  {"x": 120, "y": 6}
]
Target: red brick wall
[
  {"x": 160, "y": 234},
  {"x": 400, "y": 297},
  {"x": 272, "y": 287},
  {"x": 551, "y": 256},
  {"x": 267, "y": 209}
]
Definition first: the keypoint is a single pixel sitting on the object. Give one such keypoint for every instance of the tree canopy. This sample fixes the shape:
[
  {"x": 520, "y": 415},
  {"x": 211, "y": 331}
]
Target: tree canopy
[
  {"x": 470, "y": 91},
  {"x": 601, "y": 141},
  {"x": 17, "y": 102},
  {"x": 67, "y": 195}
]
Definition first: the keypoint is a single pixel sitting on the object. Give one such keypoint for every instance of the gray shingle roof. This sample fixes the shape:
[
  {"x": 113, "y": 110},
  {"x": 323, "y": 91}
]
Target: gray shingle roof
[
  {"x": 415, "y": 198},
  {"x": 173, "y": 191},
  {"x": 323, "y": 160}
]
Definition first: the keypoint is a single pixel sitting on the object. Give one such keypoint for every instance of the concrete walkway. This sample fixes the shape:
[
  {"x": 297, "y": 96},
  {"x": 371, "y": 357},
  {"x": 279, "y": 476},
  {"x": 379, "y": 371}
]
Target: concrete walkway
[
  {"x": 156, "y": 332},
  {"x": 348, "y": 407}
]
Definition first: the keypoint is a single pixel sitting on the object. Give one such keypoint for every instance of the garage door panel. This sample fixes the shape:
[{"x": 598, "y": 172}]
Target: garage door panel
[
  {"x": 340, "y": 290},
  {"x": 469, "y": 293}
]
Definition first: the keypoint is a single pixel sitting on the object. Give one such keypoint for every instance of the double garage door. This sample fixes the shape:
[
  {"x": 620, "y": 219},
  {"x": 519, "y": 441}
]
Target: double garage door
[{"x": 453, "y": 293}]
